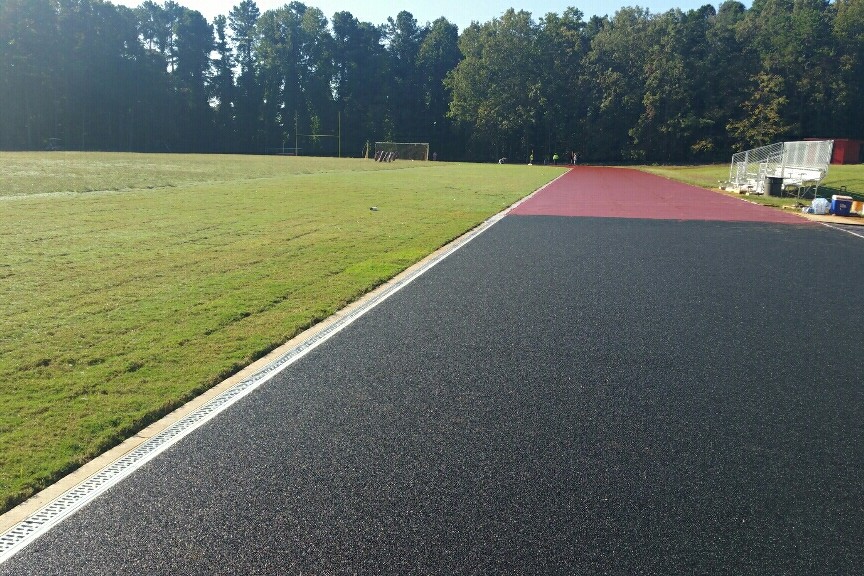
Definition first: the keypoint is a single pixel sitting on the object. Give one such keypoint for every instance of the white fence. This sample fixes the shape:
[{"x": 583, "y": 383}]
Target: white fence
[{"x": 800, "y": 165}]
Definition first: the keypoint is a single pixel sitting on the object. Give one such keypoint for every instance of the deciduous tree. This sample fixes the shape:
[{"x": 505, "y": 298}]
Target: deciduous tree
[{"x": 496, "y": 88}]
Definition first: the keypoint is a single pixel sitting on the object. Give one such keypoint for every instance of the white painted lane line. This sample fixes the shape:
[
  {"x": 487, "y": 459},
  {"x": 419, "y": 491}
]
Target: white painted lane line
[
  {"x": 859, "y": 235},
  {"x": 40, "y": 522}
]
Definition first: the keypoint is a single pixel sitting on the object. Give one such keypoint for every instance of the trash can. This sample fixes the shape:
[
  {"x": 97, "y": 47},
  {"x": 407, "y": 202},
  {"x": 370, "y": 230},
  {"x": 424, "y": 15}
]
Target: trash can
[{"x": 775, "y": 186}]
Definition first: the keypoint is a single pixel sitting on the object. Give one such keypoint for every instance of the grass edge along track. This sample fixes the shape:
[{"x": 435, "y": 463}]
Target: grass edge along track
[
  {"x": 841, "y": 179},
  {"x": 131, "y": 283}
]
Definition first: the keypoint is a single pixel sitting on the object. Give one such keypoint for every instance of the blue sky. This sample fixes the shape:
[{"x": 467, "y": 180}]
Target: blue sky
[{"x": 460, "y": 12}]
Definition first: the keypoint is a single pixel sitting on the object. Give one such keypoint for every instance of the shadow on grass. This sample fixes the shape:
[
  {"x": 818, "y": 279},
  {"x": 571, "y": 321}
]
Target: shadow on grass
[
  {"x": 823, "y": 192},
  {"x": 828, "y": 191}
]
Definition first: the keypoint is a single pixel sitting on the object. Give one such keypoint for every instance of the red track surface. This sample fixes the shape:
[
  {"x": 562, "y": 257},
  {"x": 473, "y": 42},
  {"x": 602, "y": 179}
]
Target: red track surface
[{"x": 627, "y": 193}]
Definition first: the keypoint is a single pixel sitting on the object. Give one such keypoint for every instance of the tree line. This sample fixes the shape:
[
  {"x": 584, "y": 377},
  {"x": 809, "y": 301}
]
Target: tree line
[{"x": 635, "y": 87}]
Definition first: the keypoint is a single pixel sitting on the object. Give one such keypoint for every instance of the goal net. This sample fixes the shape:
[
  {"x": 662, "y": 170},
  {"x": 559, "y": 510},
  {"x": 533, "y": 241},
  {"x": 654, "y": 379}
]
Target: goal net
[{"x": 403, "y": 150}]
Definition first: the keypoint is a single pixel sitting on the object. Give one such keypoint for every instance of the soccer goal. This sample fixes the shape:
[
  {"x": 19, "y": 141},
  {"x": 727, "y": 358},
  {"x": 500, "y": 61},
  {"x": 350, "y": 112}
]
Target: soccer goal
[{"x": 403, "y": 150}]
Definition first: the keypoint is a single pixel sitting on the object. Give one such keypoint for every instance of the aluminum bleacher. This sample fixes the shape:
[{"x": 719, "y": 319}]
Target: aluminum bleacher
[{"x": 800, "y": 165}]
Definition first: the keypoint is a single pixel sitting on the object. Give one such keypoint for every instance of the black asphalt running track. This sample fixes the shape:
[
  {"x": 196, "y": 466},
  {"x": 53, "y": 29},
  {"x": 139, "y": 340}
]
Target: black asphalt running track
[{"x": 564, "y": 395}]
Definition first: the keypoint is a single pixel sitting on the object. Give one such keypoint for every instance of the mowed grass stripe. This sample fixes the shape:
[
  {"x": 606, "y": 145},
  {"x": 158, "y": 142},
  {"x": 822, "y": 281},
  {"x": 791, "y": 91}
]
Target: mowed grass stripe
[
  {"x": 64, "y": 173},
  {"x": 118, "y": 307}
]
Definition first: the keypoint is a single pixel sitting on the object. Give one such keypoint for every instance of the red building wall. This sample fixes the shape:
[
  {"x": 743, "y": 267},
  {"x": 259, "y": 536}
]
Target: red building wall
[{"x": 846, "y": 152}]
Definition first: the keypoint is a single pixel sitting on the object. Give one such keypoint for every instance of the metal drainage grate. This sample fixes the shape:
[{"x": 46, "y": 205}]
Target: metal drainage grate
[{"x": 27, "y": 531}]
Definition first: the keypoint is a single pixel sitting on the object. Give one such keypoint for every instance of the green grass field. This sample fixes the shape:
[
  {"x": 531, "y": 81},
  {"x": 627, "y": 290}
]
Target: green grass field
[{"x": 130, "y": 283}]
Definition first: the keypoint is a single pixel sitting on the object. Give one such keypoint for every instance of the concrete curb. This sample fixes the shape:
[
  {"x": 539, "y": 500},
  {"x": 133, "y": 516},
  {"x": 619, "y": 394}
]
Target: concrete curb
[{"x": 24, "y": 512}]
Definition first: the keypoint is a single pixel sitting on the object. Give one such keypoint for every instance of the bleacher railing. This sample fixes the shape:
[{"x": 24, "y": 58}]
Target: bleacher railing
[{"x": 799, "y": 164}]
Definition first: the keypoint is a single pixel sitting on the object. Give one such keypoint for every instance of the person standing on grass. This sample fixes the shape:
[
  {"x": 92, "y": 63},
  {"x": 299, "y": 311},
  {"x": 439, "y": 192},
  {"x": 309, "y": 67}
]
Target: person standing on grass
[
  {"x": 531, "y": 159},
  {"x": 555, "y": 159}
]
